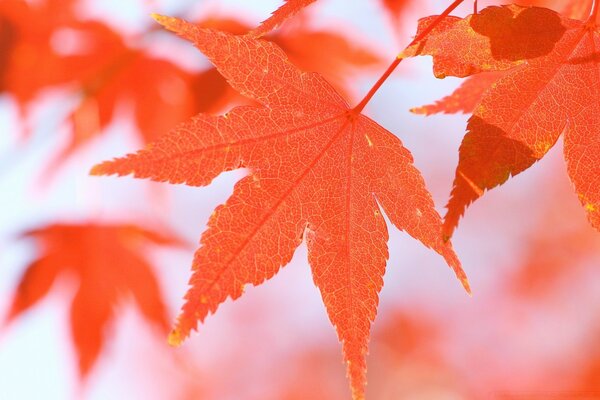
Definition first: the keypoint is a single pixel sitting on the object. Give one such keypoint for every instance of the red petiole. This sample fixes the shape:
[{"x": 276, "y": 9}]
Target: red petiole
[{"x": 360, "y": 106}]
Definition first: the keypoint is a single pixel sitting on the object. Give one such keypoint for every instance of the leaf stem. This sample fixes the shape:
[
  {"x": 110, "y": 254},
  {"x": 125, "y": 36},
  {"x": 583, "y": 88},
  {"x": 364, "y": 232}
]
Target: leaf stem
[{"x": 360, "y": 106}]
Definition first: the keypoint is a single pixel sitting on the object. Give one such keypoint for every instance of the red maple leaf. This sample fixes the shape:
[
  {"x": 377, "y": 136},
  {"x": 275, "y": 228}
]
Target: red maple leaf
[
  {"x": 122, "y": 75},
  {"x": 550, "y": 87},
  {"x": 466, "y": 97},
  {"x": 102, "y": 70},
  {"x": 319, "y": 171},
  {"x": 25, "y": 44},
  {"x": 106, "y": 261}
]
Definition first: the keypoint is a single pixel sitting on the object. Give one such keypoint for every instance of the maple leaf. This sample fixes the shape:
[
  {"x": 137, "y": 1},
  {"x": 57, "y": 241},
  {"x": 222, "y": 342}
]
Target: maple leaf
[
  {"x": 28, "y": 40},
  {"x": 21, "y": 25},
  {"x": 318, "y": 170},
  {"x": 106, "y": 262},
  {"x": 25, "y": 44},
  {"x": 549, "y": 88},
  {"x": 122, "y": 75},
  {"x": 103, "y": 72},
  {"x": 466, "y": 97}
]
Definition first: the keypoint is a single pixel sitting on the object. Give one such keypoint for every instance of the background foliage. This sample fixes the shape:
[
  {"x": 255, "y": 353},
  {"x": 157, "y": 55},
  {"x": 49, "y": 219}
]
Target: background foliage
[{"x": 82, "y": 81}]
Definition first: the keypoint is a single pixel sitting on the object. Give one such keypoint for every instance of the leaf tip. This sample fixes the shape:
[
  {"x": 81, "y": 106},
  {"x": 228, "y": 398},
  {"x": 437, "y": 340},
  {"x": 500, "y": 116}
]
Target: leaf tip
[
  {"x": 465, "y": 282},
  {"x": 454, "y": 263},
  {"x": 418, "y": 110},
  {"x": 462, "y": 277},
  {"x": 104, "y": 168},
  {"x": 168, "y": 22},
  {"x": 97, "y": 170},
  {"x": 175, "y": 338}
]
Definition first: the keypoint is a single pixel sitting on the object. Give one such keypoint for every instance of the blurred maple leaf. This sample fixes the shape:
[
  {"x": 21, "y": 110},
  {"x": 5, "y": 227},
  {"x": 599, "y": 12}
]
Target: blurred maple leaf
[
  {"x": 100, "y": 68},
  {"x": 320, "y": 170},
  {"x": 106, "y": 260},
  {"x": 108, "y": 72},
  {"x": 518, "y": 120},
  {"x": 25, "y": 45},
  {"x": 557, "y": 247}
]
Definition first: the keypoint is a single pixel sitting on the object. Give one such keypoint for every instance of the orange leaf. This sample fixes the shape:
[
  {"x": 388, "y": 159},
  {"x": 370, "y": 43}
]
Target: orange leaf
[
  {"x": 96, "y": 63},
  {"x": 318, "y": 170},
  {"x": 108, "y": 72},
  {"x": 25, "y": 44},
  {"x": 551, "y": 88},
  {"x": 465, "y": 98},
  {"x": 106, "y": 261}
]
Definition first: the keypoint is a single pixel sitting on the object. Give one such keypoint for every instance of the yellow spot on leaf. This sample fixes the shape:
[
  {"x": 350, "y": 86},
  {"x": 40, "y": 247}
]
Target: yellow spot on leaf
[
  {"x": 167, "y": 22},
  {"x": 175, "y": 338}
]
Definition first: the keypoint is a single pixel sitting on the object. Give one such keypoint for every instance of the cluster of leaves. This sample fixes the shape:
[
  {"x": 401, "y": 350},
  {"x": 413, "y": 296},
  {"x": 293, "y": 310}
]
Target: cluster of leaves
[
  {"x": 103, "y": 69},
  {"x": 319, "y": 170}
]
